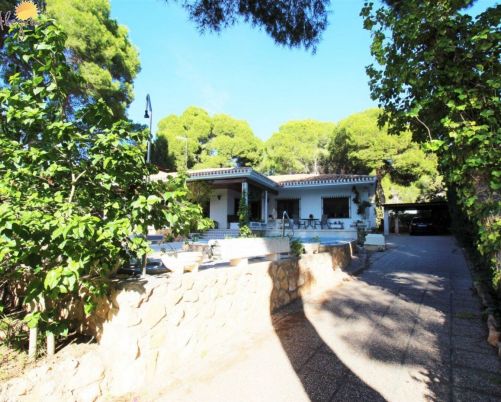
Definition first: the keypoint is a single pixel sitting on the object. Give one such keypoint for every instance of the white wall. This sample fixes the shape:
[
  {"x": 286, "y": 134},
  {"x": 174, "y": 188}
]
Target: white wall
[
  {"x": 232, "y": 196},
  {"x": 219, "y": 208},
  {"x": 311, "y": 200}
]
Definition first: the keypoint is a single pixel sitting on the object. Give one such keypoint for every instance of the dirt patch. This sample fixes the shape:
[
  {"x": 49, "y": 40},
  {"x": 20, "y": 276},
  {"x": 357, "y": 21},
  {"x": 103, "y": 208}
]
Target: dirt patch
[{"x": 12, "y": 363}]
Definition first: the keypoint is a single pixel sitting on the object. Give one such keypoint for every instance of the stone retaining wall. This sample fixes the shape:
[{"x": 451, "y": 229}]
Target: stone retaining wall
[{"x": 152, "y": 331}]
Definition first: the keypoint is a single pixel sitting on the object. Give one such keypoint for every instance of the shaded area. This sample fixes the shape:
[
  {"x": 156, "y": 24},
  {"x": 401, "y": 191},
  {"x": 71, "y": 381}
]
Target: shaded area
[
  {"x": 408, "y": 329},
  {"x": 323, "y": 375}
]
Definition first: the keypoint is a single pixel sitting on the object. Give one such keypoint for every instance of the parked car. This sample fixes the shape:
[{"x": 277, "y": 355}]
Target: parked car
[{"x": 421, "y": 226}]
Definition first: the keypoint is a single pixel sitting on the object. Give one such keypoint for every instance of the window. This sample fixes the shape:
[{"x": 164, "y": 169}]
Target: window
[{"x": 336, "y": 207}]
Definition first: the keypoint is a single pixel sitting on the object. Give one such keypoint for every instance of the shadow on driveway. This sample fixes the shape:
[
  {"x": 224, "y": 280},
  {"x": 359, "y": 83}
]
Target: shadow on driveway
[{"x": 390, "y": 328}]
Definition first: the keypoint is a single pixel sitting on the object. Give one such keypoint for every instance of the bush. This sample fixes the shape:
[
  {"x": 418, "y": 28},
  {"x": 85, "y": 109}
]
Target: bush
[
  {"x": 297, "y": 247},
  {"x": 75, "y": 201},
  {"x": 245, "y": 231}
]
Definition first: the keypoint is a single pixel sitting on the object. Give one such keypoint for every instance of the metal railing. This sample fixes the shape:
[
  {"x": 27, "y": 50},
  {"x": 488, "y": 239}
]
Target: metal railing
[{"x": 291, "y": 224}]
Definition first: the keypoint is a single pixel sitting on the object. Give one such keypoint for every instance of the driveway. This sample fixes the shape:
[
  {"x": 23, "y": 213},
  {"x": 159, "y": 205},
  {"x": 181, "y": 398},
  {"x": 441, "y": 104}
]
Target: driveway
[{"x": 407, "y": 329}]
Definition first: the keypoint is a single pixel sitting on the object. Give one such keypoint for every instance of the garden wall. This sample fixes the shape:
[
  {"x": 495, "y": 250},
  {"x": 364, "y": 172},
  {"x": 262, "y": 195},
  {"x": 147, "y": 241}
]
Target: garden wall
[{"x": 153, "y": 331}]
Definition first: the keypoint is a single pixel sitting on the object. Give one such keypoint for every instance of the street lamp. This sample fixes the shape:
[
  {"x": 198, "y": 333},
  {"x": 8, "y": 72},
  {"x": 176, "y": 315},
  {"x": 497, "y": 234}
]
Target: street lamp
[{"x": 148, "y": 114}]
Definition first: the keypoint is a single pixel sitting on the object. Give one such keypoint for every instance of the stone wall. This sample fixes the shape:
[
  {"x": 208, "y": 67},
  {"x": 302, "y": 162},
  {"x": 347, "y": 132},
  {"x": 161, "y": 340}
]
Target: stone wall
[{"x": 152, "y": 331}]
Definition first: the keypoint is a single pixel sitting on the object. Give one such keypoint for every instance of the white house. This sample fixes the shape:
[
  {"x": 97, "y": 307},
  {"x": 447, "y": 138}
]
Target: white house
[{"x": 325, "y": 205}]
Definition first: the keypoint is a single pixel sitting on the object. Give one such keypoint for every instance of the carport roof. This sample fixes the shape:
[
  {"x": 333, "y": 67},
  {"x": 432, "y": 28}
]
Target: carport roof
[{"x": 416, "y": 206}]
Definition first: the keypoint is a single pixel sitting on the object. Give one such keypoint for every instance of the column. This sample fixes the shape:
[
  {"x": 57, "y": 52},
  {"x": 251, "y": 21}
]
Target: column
[
  {"x": 266, "y": 207},
  {"x": 245, "y": 192},
  {"x": 397, "y": 224},
  {"x": 386, "y": 222}
]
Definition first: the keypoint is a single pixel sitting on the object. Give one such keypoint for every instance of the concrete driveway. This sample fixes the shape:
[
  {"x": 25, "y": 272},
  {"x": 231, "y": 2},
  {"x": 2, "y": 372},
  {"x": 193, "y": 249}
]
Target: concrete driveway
[{"x": 407, "y": 329}]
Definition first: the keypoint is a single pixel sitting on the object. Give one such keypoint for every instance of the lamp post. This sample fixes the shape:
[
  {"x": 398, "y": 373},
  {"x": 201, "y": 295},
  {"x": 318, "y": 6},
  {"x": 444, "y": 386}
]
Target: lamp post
[{"x": 148, "y": 114}]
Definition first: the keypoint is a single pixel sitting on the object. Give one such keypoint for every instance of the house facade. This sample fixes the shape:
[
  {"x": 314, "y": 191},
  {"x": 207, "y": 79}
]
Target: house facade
[{"x": 324, "y": 205}]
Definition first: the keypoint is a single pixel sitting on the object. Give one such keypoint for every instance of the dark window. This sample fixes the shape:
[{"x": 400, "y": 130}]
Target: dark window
[
  {"x": 206, "y": 208},
  {"x": 337, "y": 207},
  {"x": 255, "y": 211},
  {"x": 291, "y": 206}
]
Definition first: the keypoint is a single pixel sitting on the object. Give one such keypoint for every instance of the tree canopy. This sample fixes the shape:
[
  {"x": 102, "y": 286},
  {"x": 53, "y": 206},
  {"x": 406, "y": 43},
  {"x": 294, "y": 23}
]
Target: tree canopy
[
  {"x": 438, "y": 73},
  {"x": 196, "y": 140},
  {"x": 232, "y": 143},
  {"x": 298, "y": 147},
  {"x": 97, "y": 48},
  {"x": 361, "y": 146},
  {"x": 289, "y": 23}
]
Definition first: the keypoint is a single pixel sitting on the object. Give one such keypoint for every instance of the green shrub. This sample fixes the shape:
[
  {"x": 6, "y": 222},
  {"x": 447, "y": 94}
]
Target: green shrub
[
  {"x": 75, "y": 201},
  {"x": 245, "y": 231},
  {"x": 296, "y": 246}
]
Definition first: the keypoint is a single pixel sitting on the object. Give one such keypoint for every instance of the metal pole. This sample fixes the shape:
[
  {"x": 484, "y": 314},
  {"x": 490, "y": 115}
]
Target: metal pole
[
  {"x": 148, "y": 113},
  {"x": 148, "y": 155}
]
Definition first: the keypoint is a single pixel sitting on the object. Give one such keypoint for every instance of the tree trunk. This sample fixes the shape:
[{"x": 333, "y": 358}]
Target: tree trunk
[
  {"x": 32, "y": 348},
  {"x": 51, "y": 344}
]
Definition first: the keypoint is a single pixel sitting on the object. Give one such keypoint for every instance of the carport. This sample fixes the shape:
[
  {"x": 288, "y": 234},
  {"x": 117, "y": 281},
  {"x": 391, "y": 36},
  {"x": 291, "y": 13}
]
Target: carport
[{"x": 435, "y": 208}]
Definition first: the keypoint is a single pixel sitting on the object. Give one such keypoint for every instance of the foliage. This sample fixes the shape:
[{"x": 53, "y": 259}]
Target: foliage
[
  {"x": 243, "y": 210},
  {"x": 438, "y": 73},
  {"x": 245, "y": 231},
  {"x": 73, "y": 202},
  {"x": 297, "y": 147},
  {"x": 297, "y": 23},
  {"x": 160, "y": 154},
  {"x": 361, "y": 235},
  {"x": 195, "y": 140},
  {"x": 356, "y": 198},
  {"x": 232, "y": 143},
  {"x": 98, "y": 48},
  {"x": 199, "y": 192},
  {"x": 362, "y": 207},
  {"x": 359, "y": 146},
  {"x": 296, "y": 247},
  {"x": 185, "y": 136}
]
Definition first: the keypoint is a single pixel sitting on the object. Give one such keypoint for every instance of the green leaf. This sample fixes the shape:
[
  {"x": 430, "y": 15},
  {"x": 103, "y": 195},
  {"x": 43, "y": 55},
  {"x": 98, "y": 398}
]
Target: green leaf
[{"x": 32, "y": 319}]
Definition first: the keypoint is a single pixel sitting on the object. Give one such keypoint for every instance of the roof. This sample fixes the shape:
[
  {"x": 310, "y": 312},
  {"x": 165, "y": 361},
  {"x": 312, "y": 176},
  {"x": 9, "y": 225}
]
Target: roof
[
  {"x": 224, "y": 173},
  {"x": 287, "y": 180},
  {"x": 296, "y": 180},
  {"x": 417, "y": 206}
]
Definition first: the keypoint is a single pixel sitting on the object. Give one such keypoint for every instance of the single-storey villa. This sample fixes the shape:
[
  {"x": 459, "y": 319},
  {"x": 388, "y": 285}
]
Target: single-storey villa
[{"x": 324, "y": 205}]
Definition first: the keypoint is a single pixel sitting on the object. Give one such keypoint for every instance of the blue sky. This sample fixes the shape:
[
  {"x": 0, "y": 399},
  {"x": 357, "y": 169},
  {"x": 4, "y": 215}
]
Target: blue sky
[{"x": 241, "y": 72}]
